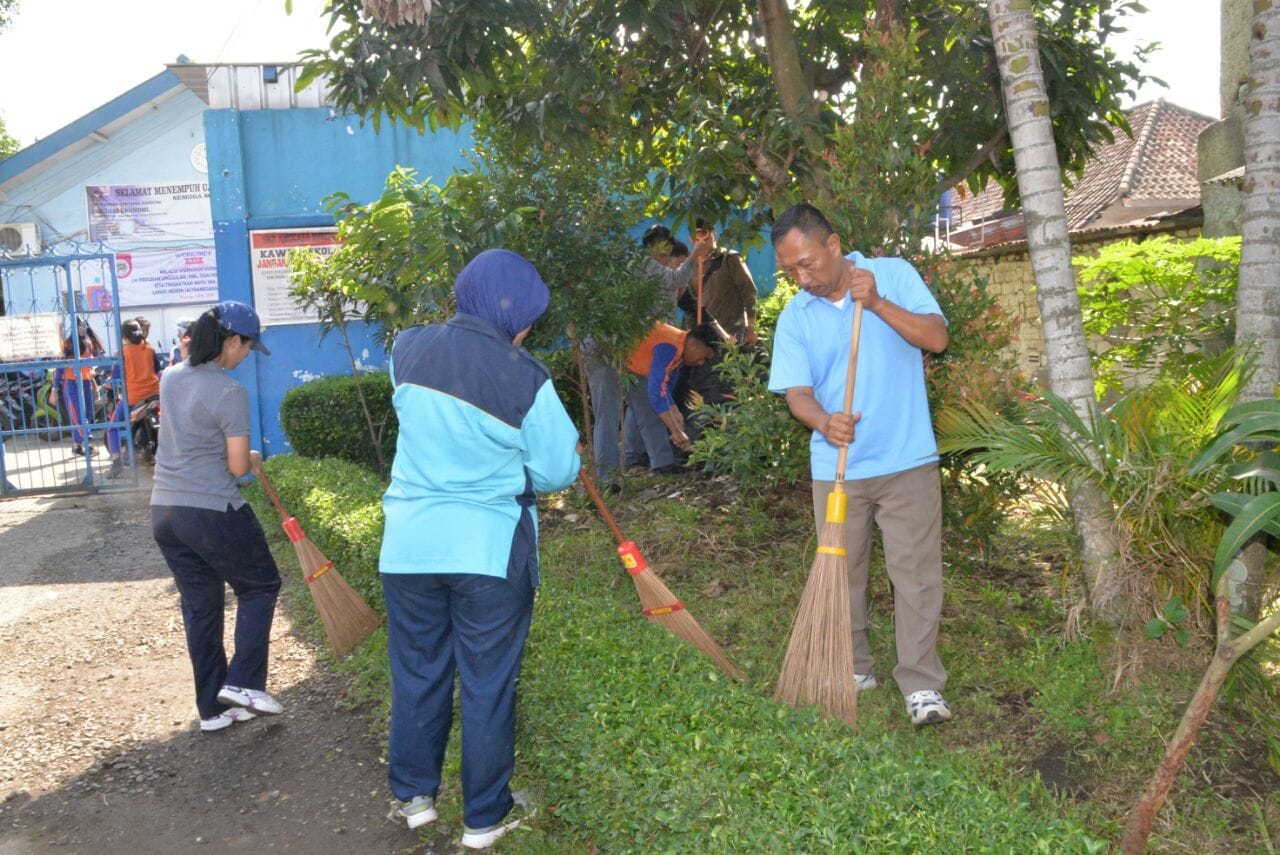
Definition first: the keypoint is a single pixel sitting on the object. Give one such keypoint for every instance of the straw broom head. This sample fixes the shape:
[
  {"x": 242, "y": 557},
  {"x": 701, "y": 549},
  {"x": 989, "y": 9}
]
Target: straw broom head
[
  {"x": 660, "y": 606},
  {"x": 818, "y": 667},
  {"x": 347, "y": 618},
  {"x": 656, "y": 600}
]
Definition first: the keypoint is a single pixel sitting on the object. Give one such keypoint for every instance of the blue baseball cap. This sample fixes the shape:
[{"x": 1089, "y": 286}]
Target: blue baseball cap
[{"x": 241, "y": 319}]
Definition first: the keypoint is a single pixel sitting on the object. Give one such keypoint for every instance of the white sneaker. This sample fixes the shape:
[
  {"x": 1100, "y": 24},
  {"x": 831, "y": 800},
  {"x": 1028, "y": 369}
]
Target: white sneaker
[
  {"x": 226, "y": 718},
  {"x": 863, "y": 682},
  {"x": 417, "y": 812},
  {"x": 254, "y": 700},
  {"x": 927, "y": 707},
  {"x": 483, "y": 838}
]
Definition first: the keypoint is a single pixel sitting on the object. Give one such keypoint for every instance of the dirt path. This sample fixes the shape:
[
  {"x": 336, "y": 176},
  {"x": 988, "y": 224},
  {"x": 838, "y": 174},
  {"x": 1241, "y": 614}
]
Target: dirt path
[{"x": 98, "y": 732}]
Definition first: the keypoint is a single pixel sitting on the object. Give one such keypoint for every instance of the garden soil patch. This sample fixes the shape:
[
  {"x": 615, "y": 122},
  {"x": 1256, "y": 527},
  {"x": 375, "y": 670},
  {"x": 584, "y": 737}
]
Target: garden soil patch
[{"x": 98, "y": 728}]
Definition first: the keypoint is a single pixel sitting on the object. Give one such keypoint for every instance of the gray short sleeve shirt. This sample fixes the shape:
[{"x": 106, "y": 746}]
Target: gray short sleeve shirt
[{"x": 200, "y": 408}]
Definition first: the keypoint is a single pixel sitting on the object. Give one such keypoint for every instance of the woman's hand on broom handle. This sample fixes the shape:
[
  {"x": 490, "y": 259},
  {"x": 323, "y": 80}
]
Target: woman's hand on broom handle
[{"x": 255, "y": 460}]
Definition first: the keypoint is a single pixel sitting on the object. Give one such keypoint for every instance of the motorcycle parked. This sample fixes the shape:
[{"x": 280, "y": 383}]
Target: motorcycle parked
[
  {"x": 17, "y": 400},
  {"x": 144, "y": 421}
]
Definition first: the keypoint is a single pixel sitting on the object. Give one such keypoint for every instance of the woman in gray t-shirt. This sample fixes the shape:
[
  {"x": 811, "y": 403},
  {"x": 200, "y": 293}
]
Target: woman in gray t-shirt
[{"x": 207, "y": 533}]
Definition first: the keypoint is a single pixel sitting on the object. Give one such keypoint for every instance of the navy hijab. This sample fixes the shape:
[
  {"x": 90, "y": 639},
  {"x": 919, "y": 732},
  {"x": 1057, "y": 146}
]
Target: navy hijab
[{"x": 502, "y": 288}]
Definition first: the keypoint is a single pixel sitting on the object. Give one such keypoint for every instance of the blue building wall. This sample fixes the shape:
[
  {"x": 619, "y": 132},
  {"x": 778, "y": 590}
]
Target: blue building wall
[{"x": 272, "y": 169}]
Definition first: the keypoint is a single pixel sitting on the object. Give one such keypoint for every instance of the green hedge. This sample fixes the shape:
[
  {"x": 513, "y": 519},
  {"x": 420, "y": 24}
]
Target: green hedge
[
  {"x": 323, "y": 418},
  {"x": 339, "y": 504},
  {"x": 637, "y": 744}
]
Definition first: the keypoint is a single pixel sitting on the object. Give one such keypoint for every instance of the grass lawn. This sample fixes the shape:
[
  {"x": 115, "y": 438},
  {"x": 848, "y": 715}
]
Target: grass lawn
[{"x": 633, "y": 742}]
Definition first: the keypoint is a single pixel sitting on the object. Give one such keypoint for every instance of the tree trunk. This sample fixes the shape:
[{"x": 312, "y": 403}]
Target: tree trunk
[
  {"x": 1258, "y": 297},
  {"x": 1013, "y": 27},
  {"x": 794, "y": 91}
]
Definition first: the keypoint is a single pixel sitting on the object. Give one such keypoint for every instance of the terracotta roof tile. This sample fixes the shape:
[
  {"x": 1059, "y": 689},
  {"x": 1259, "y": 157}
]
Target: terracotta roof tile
[{"x": 1157, "y": 162}]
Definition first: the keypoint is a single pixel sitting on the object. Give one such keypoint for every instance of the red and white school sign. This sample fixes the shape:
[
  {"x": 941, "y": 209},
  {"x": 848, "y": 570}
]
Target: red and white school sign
[{"x": 269, "y": 255}]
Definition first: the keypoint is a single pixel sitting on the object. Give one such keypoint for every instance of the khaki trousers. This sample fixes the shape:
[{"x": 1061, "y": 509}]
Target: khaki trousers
[{"x": 907, "y": 508}]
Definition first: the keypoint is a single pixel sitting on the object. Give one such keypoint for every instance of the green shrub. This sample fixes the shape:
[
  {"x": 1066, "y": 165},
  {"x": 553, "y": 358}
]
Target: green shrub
[
  {"x": 637, "y": 744},
  {"x": 1157, "y": 305},
  {"x": 324, "y": 418},
  {"x": 754, "y": 437},
  {"x": 339, "y": 505}
]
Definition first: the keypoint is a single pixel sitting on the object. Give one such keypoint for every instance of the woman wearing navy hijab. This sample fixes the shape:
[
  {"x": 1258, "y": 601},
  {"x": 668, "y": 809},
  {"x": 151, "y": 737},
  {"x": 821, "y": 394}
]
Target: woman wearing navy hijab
[{"x": 481, "y": 432}]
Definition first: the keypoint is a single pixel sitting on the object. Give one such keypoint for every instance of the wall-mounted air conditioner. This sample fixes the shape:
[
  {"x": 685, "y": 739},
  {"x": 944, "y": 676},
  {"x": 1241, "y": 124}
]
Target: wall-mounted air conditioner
[{"x": 19, "y": 238}]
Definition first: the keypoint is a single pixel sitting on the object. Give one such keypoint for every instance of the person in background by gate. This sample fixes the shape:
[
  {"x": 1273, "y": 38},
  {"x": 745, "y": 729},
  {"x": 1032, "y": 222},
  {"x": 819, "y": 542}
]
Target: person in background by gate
[
  {"x": 482, "y": 431},
  {"x": 140, "y": 385},
  {"x": 78, "y": 391},
  {"x": 206, "y": 531}
]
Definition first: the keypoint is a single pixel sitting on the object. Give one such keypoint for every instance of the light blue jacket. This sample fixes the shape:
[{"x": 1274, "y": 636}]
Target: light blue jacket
[{"x": 481, "y": 431}]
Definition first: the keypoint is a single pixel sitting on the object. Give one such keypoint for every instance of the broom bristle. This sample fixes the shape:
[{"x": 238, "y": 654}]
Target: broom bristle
[
  {"x": 347, "y": 618},
  {"x": 654, "y": 594},
  {"x": 818, "y": 667}
]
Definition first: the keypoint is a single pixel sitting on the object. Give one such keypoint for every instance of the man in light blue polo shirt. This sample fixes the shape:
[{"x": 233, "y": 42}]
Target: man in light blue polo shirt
[{"x": 892, "y": 468}]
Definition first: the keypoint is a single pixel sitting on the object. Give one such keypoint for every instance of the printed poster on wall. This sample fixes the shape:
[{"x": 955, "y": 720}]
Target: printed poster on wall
[
  {"x": 167, "y": 277},
  {"x": 269, "y": 254},
  {"x": 36, "y": 336},
  {"x": 140, "y": 212}
]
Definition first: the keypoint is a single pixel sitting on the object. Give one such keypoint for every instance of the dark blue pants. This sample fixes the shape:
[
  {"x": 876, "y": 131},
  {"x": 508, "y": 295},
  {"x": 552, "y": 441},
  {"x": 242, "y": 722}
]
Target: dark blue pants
[
  {"x": 437, "y": 622},
  {"x": 207, "y": 550},
  {"x": 115, "y": 436},
  {"x": 77, "y": 396}
]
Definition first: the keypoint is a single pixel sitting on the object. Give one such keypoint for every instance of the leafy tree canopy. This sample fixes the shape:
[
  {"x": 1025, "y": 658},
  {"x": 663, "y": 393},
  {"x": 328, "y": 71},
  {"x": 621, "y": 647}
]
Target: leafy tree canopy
[
  {"x": 731, "y": 106},
  {"x": 8, "y": 143},
  {"x": 7, "y": 9}
]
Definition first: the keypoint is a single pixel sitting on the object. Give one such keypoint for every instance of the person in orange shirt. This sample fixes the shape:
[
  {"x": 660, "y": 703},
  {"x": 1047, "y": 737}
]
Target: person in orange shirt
[
  {"x": 141, "y": 383},
  {"x": 78, "y": 392},
  {"x": 653, "y": 365}
]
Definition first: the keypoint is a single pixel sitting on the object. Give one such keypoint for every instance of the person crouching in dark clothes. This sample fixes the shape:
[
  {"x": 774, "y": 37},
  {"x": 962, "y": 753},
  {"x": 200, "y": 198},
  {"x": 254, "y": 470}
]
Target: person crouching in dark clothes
[{"x": 481, "y": 432}]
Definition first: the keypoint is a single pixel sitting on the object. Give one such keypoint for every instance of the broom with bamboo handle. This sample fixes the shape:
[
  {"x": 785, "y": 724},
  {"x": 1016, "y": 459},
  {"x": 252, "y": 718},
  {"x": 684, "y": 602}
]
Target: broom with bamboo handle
[
  {"x": 818, "y": 667},
  {"x": 657, "y": 602},
  {"x": 347, "y": 618},
  {"x": 699, "y": 319}
]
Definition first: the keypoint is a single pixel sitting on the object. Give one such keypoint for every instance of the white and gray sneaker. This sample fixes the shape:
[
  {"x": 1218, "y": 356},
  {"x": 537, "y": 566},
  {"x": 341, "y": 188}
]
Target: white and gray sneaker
[
  {"x": 863, "y": 682},
  {"x": 254, "y": 700},
  {"x": 927, "y": 707},
  {"x": 226, "y": 718},
  {"x": 483, "y": 838},
  {"x": 417, "y": 812}
]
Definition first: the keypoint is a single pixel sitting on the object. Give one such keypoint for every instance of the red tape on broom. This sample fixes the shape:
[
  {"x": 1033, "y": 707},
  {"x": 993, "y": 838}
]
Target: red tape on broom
[
  {"x": 658, "y": 611},
  {"x": 316, "y": 575}
]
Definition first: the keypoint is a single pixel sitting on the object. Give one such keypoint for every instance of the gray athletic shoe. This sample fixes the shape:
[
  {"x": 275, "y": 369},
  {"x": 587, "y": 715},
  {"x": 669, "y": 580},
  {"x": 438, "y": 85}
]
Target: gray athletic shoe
[
  {"x": 417, "y": 812},
  {"x": 483, "y": 838}
]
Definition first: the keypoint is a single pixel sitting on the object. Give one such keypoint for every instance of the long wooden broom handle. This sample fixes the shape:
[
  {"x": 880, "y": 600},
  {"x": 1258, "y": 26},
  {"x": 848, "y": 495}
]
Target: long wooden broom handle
[
  {"x": 271, "y": 491},
  {"x": 699, "y": 290},
  {"x": 843, "y": 455},
  {"x": 594, "y": 492}
]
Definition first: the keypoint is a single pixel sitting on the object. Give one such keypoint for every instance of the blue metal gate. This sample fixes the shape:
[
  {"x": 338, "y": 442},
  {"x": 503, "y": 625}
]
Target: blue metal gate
[{"x": 58, "y": 389}]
